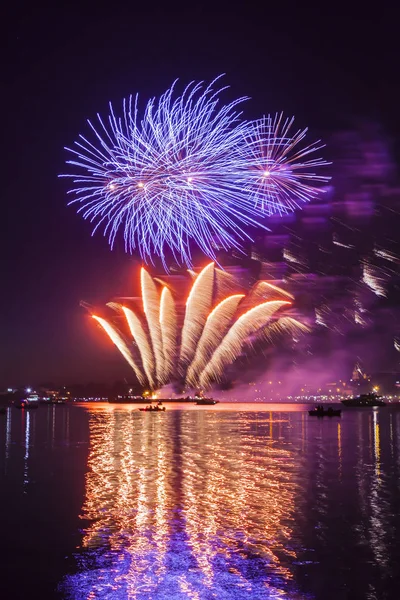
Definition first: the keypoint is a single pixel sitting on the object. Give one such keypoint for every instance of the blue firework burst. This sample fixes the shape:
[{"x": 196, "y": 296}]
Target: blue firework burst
[
  {"x": 187, "y": 170},
  {"x": 281, "y": 167}
]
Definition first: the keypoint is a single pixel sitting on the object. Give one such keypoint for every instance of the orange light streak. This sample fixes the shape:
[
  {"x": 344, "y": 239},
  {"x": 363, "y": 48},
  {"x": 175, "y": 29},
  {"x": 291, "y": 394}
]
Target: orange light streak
[
  {"x": 118, "y": 340},
  {"x": 151, "y": 307},
  {"x": 198, "y": 306},
  {"x": 140, "y": 337},
  {"x": 217, "y": 324},
  {"x": 168, "y": 324},
  {"x": 232, "y": 344}
]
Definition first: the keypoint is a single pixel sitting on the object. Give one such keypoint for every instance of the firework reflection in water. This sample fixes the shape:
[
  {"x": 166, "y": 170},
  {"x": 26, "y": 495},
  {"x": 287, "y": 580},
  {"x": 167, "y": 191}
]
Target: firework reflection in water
[{"x": 209, "y": 521}]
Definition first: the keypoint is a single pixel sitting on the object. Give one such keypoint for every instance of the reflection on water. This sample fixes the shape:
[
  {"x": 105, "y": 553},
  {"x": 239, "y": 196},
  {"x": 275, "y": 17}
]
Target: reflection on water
[
  {"x": 27, "y": 416},
  {"x": 7, "y": 436},
  {"x": 188, "y": 505},
  {"x": 229, "y": 502}
]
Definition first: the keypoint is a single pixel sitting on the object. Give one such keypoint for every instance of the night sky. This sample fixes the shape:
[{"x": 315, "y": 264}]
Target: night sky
[{"x": 327, "y": 64}]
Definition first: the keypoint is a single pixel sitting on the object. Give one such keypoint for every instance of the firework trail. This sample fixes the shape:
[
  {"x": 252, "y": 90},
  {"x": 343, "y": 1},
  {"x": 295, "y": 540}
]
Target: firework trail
[
  {"x": 198, "y": 306},
  {"x": 233, "y": 342},
  {"x": 282, "y": 326},
  {"x": 122, "y": 346},
  {"x": 262, "y": 291},
  {"x": 141, "y": 339},
  {"x": 283, "y": 173},
  {"x": 188, "y": 170},
  {"x": 226, "y": 284},
  {"x": 216, "y": 327},
  {"x": 374, "y": 281},
  {"x": 266, "y": 288},
  {"x": 169, "y": 331},
  {"x": 151, "y": 307},
  {"x": 385, "y": 254},
  {"x": 213, "y": 335},
  {"x": 337, "y": 242}
]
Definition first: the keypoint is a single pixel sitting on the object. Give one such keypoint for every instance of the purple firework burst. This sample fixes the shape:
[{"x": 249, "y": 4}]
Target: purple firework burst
[
  {"x": 281, "y": 171},
  {"x": 189, "y": 169}
]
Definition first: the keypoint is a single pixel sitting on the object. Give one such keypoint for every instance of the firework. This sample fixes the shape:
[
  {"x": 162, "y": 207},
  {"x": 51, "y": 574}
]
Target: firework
[
  {"x": 373, "y": 278},
  {"x": 151, "y": 307},
  {"x": 283, "y": 174},
  {"x": 122, "y": 346},
  {"x": 188, "y": 170},
  {"x": 292, "y": 258},
  {"x": 387, "y": 255},
  {"x": 198, "y": 306},
  {"x": 218, "y": 322},
  {"x": 336, "y": 241},
  {"x": 140, "y": 338},
  {"x": 169, "y": 331},
  {"x": 213, "y": 334},
  {"x": 232, "y": 344}
]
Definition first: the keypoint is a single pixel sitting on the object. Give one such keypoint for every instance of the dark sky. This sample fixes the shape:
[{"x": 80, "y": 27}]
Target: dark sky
[{"x": 327, "y": 64}]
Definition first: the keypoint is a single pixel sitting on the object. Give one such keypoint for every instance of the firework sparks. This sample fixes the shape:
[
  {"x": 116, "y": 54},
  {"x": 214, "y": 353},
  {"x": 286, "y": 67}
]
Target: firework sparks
[
  {"x": 320, "y": 317},
  {"x": 151, "y": 307},
  {"x": 169, "y": 331},
  {"x": 233, "y": 342},
  {"x": 265, "y": 288},
  {"x": 374, "y": 281},
  {"x": 198, "y": 306},
  {"x": 284, "y": 325},
  {"x": 140, "y": 338},
  {"x": 189, "y": 169},
  {"x": 284, "y": 175},
  {"x": 292, "y": 258},
  {"x": 213, "y": 336},
  {"x": 389, "y": 256},
  {"x": 216, "y": 327},
  {"x": 359, "y": 319},
  {"x": 336, "y": 241},
  {"x": 122, "y": 346}
]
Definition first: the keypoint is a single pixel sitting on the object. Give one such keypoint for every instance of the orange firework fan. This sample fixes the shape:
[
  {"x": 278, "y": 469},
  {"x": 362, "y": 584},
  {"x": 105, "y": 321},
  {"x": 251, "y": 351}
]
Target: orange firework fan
[{"x": 162, "y": 340}]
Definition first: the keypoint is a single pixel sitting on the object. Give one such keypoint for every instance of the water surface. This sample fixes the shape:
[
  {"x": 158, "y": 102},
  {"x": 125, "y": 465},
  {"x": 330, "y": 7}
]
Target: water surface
[{"x": 229, "y": 502}]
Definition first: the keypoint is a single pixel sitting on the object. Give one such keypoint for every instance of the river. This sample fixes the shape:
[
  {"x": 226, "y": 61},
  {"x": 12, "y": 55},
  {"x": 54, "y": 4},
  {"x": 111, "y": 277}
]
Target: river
[{"x": 235, "y": 501}]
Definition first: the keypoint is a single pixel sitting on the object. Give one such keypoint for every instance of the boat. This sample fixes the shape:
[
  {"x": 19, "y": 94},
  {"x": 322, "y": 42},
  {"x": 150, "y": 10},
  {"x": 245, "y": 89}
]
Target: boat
[
  {"x": 157, "y": 408},
  {"x": 30, "y": 402},
  {"x": 54, "y": 400},
  {"x": 129, "y": 399},
  {"x": 320, "y": 411},
  {"x": 364, "y": 400},
  {"x": 206, "y": 401}
]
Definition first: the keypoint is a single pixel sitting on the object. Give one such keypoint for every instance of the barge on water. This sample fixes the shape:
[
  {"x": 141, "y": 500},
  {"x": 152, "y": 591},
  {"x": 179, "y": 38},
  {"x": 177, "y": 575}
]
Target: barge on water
[{"x": 365, "y": 400}]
